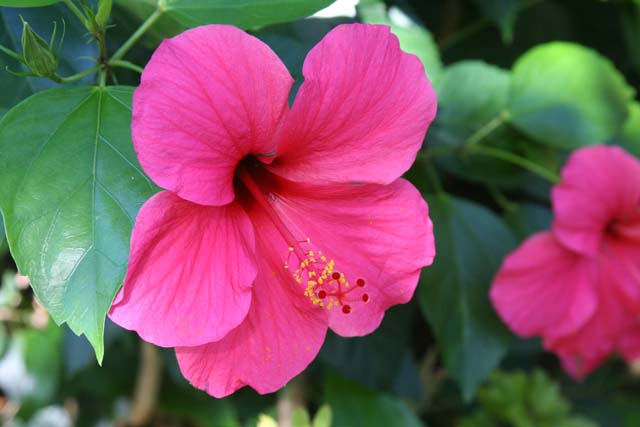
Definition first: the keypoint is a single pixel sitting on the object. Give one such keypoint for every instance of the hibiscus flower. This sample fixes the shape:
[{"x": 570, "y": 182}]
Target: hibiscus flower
[
  {"x": 276, "y": 223},
  {"x": 578, "y": 286}
]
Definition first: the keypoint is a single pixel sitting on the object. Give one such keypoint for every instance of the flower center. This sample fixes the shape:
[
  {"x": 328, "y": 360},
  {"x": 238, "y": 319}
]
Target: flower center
[{"x": 322, "y": 282}]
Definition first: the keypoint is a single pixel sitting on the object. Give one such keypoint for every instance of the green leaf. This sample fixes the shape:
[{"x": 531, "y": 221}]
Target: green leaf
[
  {"x": 27, "y": 3},
  {"x": 379, "y": 355},
  {"x": 355, "y": 405},
  {"x": 464, "y": 112},
  {"x": 528, "y": 218},
  {"x": 2, "y": 235},
  {"x": 502, "y": 13},
  {"x": 197, "y": 408},
  {"x": 471, "y": 94},
  {"x": 567, "y": 95},
  {"x": 471, "y": 242},
  {"x": 244, "y": 14},
  {"x": 527, "y": 400},
  {"x": 414, "y": 38},
  {"x": 629, "y": 137},
  {"x": 71, "y": 190},
  {"x": 179, "y": 15}
]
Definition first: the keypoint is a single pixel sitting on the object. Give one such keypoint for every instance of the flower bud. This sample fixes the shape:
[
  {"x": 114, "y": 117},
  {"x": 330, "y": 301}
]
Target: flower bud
[
  {"x": 38, "y": 55},
  {"x": 104, "y": 10}
]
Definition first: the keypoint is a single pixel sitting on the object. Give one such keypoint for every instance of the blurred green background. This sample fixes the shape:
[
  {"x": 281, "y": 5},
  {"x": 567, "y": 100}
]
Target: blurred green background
[{"x": 520, "y": 84}]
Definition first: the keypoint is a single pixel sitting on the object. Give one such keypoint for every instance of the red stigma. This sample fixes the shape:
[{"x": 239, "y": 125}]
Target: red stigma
[
  {"x": 365, "y": 297},
  {"x": 360, "y": 282},
  {"x": 346, "y": 309},
  {"x": 335, "y": 276},
  {"x": 322, "y": 294}
]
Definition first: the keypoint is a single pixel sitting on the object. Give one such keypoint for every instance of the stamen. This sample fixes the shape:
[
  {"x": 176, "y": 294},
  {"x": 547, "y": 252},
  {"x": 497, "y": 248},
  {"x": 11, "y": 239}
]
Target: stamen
[{"x": 324, "y": 285}]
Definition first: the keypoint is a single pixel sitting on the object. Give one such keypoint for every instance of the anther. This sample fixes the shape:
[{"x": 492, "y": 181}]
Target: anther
[{"x": 346, "y": 309}]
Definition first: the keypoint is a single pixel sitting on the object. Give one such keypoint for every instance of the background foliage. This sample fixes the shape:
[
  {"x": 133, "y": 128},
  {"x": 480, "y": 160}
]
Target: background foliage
[{"x": 520, "y": 83}]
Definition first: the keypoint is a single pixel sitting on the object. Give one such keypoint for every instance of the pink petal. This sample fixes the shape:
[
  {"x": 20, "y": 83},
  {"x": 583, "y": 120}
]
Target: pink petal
[
  {"x": 629, "y": 345},
  {"x": 362, "y": 112},
  {"x": 544, "y": 289},
  {"x": 584, "y": 350},
  {"x": 600, "y": 184},
  {"x": 281, "y": 335},
  {"x": 190, "y": 272},
  {"x": 621, "y": 258},
  {"x": 381, "y": 234},
  {"x": 208, "y": 97}
]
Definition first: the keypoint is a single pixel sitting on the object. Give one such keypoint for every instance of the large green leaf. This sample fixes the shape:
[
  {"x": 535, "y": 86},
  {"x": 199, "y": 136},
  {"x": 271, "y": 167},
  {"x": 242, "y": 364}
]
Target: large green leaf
[
  {"x": 178, "y": 15},
  {"x": 567, "y": 95},
  {"x": 379, "y": 355},
  {"x": 27, "y": 3},
  {"x": 71, "y": 190},
  {"x": 471, "y": 242},
  {"x": 464, "y": 112},
  {"x": 355, "y": 405},
  {"x": 528, "y": 218},
  {"x": 245, "y": 14}
]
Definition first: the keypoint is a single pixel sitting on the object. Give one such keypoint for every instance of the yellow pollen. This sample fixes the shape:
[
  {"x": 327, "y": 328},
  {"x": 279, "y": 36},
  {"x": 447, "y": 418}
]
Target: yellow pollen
[{"x": 323, "y": 285}]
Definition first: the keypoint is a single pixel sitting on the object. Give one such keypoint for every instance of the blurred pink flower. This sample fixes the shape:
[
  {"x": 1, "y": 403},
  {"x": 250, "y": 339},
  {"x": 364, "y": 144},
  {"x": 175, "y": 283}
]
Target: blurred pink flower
[
  {"x": 578, "y": 286},
  {"x": 278, "y": 223}
]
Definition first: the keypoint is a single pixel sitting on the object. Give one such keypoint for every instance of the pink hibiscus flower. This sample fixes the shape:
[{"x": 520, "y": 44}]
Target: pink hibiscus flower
[
  {"x": 578, "y": 286},
  {"x": 277, "y": 222}
]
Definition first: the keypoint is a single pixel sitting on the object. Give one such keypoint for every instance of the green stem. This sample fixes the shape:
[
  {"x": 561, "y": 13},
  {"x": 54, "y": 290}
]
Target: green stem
[
  {"x": 126, "y": 64},
  {"x": 500, "y": 198},
  {"x": 102, "y": 78},
  {"x": 78, "y": 13},
  {"x": 487, "y": 129},
  {"x": 135, "y": 36},
  {"x": 12, "y": 54},
  {"x": 76, "y": 77},
  {"x": 524, "y": 163}
]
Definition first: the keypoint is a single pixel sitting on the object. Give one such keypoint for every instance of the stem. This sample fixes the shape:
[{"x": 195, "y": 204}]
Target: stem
[
  {"x": 524, "y": 163},
  {"x": 11, "y": 53},
  {"x": 102, "y": 79},
  {"x": 135, "y": 36},
  {"x": 487, "y": 129},
  {"x": 77, "y": 12},
  {"x": 76, "y": 77},
  {"x": 500, "y": 199},
  {"x": 126, "y": 64},
  {"x": 147, "y": 388}
]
